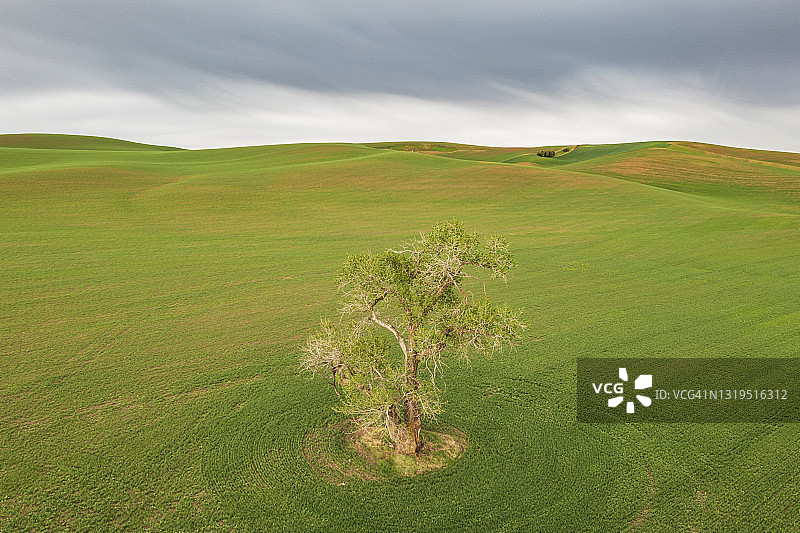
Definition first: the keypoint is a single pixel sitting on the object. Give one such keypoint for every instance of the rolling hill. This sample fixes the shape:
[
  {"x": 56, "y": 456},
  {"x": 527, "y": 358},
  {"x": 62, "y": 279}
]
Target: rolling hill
[{"x": 154, "y": 302}]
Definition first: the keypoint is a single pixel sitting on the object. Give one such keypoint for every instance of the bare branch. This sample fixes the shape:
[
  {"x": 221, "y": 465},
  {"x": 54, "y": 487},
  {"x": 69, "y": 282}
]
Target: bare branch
[{"x": 391, "y": 328}]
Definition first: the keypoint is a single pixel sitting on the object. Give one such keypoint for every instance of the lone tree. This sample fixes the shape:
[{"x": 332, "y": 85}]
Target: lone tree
[{"x": 420, "y": 294}]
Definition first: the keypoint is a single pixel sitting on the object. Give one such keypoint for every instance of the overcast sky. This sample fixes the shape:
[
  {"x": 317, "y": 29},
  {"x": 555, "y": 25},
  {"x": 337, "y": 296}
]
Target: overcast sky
[{"x": 515, "y": 73}]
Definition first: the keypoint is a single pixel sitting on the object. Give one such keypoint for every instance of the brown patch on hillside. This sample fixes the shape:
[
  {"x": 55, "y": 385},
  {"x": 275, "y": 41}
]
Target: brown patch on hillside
[
  {"x": 761, "y": 156},
  {"x": 664, "y": 166}
]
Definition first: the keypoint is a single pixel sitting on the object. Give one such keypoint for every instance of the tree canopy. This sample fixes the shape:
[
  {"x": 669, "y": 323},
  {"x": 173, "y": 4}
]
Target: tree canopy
[{"x": 419, "y": 294}]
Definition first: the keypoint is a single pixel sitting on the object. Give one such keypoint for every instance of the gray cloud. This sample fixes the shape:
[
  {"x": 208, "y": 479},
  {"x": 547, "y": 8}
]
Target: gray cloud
[
  {"x": 436, "y": 50},
  {"x": 203, "y": 74}
]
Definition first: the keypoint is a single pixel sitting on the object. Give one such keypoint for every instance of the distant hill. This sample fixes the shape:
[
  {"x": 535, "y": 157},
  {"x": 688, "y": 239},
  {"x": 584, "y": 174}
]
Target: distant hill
[
  {"x": 569, "y": 154},
  {"x": 55, "y": 141}
]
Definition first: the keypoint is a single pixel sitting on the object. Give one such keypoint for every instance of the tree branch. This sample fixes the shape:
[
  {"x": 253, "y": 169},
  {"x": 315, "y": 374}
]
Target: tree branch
[{"x": 390, "y": 328}]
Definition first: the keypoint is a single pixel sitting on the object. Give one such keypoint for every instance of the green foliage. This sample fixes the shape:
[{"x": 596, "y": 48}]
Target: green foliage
[
  {"x": 546, "y": 153},
  {"x": 417, "y": 294}
]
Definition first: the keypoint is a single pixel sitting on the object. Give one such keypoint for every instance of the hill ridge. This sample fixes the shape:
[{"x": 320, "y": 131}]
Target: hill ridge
[{"x": 60, "y": 141}]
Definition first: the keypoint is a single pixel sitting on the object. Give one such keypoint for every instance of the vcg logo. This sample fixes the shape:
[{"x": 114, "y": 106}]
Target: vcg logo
[{"x": 644, "y": 381}]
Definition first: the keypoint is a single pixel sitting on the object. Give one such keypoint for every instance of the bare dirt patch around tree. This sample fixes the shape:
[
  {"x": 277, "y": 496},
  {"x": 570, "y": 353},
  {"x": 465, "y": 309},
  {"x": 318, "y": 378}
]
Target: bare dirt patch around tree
[{"x": 341, "y": 452}]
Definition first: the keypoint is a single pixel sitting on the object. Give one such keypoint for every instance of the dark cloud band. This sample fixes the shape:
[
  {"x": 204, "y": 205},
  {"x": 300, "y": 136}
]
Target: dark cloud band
[{"x": 433, "y": 50}]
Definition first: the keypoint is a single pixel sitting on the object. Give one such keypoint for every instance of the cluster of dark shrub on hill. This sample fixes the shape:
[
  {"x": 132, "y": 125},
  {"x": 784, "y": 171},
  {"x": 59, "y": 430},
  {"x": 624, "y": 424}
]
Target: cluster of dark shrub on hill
[{"x": 551, "y": 153}]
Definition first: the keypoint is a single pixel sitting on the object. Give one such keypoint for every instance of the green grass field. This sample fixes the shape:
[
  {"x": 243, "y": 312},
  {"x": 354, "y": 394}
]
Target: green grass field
[{"x": 153, "y": 304}]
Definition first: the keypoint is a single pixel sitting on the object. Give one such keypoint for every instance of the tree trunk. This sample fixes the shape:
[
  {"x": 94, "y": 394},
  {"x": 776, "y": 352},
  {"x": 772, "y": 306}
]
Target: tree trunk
[
  {"x": 413, "y": 411},
  {"x": 403, "y": 443},
  {"x": 414, "y": 425},
  {"x": 406, "y": 434},
  {"x": 398, "y": 431}
]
